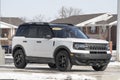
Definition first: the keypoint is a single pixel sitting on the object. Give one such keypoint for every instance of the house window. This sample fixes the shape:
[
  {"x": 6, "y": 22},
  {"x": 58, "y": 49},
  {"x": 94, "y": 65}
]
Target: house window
[
  {"x": 103, "y": 29},
  {"x": 93, "y": 29},
  {"x": 4, "y": 33}
]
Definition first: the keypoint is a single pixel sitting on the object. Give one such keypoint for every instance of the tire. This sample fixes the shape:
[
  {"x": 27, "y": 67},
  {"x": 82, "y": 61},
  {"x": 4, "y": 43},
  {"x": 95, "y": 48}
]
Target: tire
[
  {"x": 99, "y": 68},
  {"x": 52, "y": 65},
  {"x": 19, "y": 59},
  {"x": 63, "y": 62}
]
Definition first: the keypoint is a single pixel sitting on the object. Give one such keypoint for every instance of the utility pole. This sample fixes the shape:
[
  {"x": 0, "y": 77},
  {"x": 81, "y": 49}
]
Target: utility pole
[
  {"x": 0, "y": 20},
  {"x": 118, "y": 31},
  {"x": 2, "y": 52},
  {"x": 0, "y": 25}
]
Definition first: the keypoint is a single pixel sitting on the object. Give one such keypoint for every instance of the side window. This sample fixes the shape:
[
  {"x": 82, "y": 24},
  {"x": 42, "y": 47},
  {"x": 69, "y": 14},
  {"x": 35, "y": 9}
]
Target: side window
[
  {"x": 32, "y": 32},
  {"x": 22, "y": 31},
  {"x": 43, "y": 31}
]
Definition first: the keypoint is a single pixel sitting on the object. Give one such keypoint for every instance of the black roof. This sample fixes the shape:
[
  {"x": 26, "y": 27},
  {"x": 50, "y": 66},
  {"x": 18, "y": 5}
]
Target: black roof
[
  {"x": 45, "y": 23},
  {"x": 35, "y": 23}
]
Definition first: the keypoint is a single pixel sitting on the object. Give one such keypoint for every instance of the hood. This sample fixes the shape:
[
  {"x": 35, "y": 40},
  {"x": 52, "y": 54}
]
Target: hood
[{"x": 87, "y": 40}]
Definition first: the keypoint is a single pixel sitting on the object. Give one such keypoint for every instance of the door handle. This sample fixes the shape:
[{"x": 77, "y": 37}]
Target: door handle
[
  {"x": 25, "y": 41},
  {"x": 38, "y": 41}
]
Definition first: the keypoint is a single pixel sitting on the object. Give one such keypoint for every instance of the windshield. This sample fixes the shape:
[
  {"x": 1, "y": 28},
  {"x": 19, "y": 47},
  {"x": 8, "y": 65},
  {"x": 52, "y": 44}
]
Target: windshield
[{"x": 68, "y": 32}]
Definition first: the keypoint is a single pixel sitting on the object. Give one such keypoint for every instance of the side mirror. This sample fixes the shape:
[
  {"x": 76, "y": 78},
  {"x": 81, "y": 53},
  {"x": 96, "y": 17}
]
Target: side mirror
[{"x": 48, "y": 36}]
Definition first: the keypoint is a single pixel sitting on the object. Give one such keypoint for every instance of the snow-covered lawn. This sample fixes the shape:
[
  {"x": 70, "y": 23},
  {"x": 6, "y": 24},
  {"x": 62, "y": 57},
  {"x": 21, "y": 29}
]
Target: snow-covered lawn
[
  {"x": 43, "y": 76},
  {"x": 114, "y": 64}
]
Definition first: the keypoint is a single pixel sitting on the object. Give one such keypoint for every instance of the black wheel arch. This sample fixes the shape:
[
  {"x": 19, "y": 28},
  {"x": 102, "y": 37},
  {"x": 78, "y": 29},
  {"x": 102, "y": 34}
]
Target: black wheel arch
[
  {"x": 18, "y": 47},
  {"x": 59, "y": 48}
]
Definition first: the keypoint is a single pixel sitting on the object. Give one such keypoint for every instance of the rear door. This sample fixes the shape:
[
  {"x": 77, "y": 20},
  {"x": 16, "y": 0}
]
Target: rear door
[{"x": 31, "y": 41}]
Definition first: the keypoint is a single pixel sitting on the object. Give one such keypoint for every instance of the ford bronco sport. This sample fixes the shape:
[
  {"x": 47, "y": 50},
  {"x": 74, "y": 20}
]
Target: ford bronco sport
[{"x": 58, "y": 45}]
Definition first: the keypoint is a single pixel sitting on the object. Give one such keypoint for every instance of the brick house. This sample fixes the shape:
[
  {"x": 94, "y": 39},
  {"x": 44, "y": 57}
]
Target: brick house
[{"x": 8, "y": 26}]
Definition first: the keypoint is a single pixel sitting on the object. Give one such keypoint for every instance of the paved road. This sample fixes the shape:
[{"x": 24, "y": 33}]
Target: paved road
[{"x": 111, "y": 73}]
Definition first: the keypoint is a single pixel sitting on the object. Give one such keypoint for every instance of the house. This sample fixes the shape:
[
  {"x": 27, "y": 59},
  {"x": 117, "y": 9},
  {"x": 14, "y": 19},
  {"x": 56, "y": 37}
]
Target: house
[
  {"x": 8, "y": 26},
  {"x": 100, "y": 25},
  {"x": 111, "y": 29}
]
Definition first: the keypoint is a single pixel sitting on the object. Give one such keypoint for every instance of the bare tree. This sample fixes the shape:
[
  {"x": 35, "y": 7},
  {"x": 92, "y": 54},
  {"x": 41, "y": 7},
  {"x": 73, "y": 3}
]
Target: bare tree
[
  {"x": 66, "y": 12},
  {"x": 38, "y": 18},
  {"x": 25, "y": 19}
]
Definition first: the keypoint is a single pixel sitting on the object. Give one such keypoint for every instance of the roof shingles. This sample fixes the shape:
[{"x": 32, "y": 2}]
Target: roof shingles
[
  {"x": 76, "y": 19},
  {"x": 12, "y": 20}
]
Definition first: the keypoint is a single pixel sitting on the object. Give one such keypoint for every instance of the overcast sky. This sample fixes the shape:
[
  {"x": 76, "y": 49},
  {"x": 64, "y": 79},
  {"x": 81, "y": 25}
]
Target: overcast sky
[{"x": 50, "y": 8}]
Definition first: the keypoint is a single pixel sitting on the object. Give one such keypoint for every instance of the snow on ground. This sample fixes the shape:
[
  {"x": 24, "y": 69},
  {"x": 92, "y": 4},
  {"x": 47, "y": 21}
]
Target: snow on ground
[
  {"x": 45, "y": 76},
  {"x": 42, "y": 76},
  {"x": 8, "y": 56},
  {"x": 115, "y": 63}
]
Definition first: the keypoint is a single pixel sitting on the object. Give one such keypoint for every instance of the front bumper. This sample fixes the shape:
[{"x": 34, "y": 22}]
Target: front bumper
[{"x": 90, "y": 59}]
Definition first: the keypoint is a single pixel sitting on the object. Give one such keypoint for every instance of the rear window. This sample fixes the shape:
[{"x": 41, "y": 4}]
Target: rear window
[{"x": 32, "y": 33}]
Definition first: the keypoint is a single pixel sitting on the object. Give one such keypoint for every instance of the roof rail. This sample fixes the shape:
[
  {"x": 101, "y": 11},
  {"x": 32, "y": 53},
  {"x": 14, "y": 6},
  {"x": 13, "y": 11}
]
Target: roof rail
[
  {"x": 37, "y": 23},
  {"x": 65, "y": 24}
]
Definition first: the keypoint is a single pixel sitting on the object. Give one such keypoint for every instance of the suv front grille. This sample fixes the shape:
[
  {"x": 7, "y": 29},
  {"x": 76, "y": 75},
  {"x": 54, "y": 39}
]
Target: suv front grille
[
  {"x": 95, "y": 52},
  {"x": 94, "y": 47}
]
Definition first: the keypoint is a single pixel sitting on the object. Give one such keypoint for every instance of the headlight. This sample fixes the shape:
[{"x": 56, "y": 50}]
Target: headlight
[{"x": 79, "y": 46}]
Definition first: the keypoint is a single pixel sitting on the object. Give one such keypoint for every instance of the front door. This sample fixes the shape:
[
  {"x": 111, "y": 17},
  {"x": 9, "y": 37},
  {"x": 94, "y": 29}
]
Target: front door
[{"x": 44, "y": 48}]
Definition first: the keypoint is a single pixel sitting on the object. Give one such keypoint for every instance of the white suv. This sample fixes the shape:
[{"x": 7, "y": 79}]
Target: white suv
[{"x": 58, "y": 45}]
